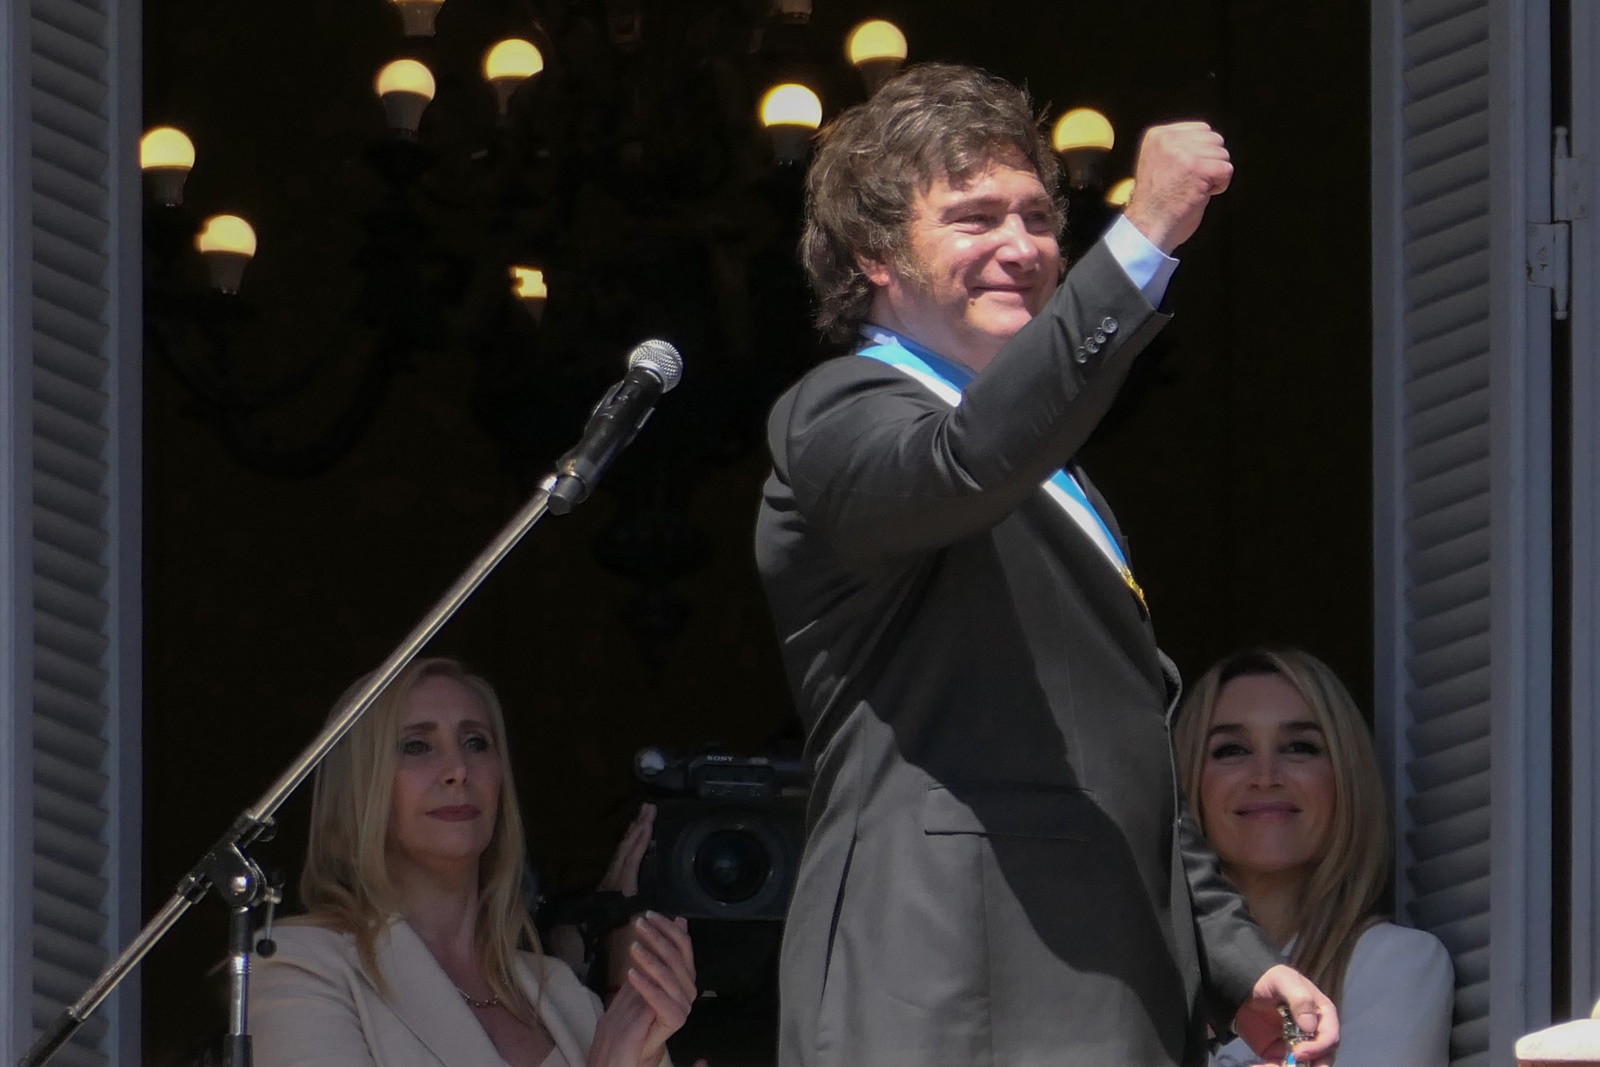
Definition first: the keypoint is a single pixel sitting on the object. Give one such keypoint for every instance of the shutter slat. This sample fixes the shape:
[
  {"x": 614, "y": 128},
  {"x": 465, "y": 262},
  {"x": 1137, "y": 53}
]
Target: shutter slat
[
  {"x": 1472, "y": 966},
  {"x": 1451, "y": 869},
  {"x": 65, "y": 605},
  {"x": 1445, "y": 226},
  {"x": 70, "y": 381},
  {"x": 52, "y": 492},
  {"x": 85, "y": 159},
  {"x": 69, "y": 918},
  {"x": 1447, "y": 523},
  {"x": 57, "y": 879},
  {"x": 1463, "y": 935},
  {"x": 85, "y": 714},
  {"x": 82, "y": 54},
  {"x": 87, "y": 644},
  {"x": 1456, "y": 484},
  {"x": 71, "y": 778},
  {"x": 1466, "y": 171},
  {"x": 1431, "y": 805},
  {"x": 57, "y": 184},
  {"x": 1451, "y": 905},
  {"x": 1447, "y": 662},
  {"x": 59, "y": 427},
  {"x": 85, "y": 471},
  {"x": 1435, "y": 29},
  {"x": 68, "y": 847},
  {"x": 1466, "y": 446},
  {"x": 69, "y": 258},
  {"x": 1455, "y": 268},
  {"x": 58, "y": 808},
  {"x": 75, "y": 17},
  {"x": 70, "y": 101},
  {"x": 1467, "y": 342},
  {"x": 1467, "y": 758},
  {"x": 1438, "y": 108},
  {"x": 1455, "y": 834},
  {"x": 78, "y": 328},
  {"x": 1454, "y": 695},
  {"x": 1446, "y": 422},
  {"x": 86, "y": 680},
  {"x": 1461, "y": 562},
  {"x": 73, "y": 572},
  {"x": 81, "y": 297},
  {"x": 1458, "y": 137},
  {"x": 68, "y": 222},
  {"x": 1438, "y": 317}
]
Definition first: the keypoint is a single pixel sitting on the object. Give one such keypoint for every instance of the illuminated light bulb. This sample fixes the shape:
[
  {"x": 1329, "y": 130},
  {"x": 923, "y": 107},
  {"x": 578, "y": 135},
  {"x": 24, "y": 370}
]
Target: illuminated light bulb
[
  {"x": 791, "y": 113},
  {"x": 530, "y": 289},
  {"x": 876, "y": 48},
  {"x": 1119, "y": 194},
  {"x": 509, "y": 64},
  {"x": 166, "y": 155},
  {"x": 1081, "y": 138},
  {"x": 405, "y": 87},
  {"x": 227, "y": 242},
  {"x": 417, "y": 16}
]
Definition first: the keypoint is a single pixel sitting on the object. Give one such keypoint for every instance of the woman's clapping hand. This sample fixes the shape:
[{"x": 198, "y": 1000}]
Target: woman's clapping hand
[{"x": 655, "y": 995}]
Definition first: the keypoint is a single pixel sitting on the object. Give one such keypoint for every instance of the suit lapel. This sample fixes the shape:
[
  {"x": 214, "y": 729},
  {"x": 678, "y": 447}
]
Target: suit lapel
[
  {"x": 427, "y": 1001},
  {"x": 553, "y": 1011}
]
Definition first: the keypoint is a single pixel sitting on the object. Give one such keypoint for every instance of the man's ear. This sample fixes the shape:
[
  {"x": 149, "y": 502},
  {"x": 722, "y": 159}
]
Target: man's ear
[{"x": 877, "y": 271}]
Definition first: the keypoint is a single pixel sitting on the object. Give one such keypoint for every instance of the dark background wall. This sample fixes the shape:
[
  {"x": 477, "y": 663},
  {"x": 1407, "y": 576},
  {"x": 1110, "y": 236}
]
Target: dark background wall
[{"x": 1238, "y": 463}]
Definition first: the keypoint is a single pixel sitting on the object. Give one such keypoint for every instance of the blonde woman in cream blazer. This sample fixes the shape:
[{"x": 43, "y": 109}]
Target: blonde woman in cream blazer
[{"x": 413, "y": 949}]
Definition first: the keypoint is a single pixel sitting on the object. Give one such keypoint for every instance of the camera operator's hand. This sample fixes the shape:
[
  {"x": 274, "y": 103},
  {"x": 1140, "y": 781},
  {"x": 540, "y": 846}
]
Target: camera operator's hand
[
  {"x": 623, "y": 877},
  {"x": 655, "y": 998},
  {"x": 623, "y": 874}
]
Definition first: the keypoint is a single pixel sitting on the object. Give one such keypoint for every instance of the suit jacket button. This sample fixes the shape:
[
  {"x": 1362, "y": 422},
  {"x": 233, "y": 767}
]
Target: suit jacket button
[
  {"x": 1099, "y": 337},
  {"x": 1091, "y": 347},
  {"x": 1108, "y": 325},
  {"x": 1080, "y": 355}
]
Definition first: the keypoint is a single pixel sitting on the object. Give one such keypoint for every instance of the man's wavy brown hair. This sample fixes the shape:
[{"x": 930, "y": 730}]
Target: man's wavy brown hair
[{"x": 930, "y": 122}]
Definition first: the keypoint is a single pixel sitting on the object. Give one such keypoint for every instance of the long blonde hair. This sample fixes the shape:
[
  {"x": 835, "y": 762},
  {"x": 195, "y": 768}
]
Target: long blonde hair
[
  {"x": 346, "y": 884},
  {"x": 1339, "y": 900}
]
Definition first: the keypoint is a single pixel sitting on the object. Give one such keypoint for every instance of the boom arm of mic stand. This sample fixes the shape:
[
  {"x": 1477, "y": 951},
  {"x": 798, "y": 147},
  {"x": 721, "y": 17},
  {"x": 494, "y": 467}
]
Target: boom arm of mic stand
[{"x": 249, "y": 826}]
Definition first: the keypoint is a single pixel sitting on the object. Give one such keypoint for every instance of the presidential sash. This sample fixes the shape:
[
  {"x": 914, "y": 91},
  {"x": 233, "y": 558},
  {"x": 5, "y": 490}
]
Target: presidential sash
[{"x": 946, "y": 380}]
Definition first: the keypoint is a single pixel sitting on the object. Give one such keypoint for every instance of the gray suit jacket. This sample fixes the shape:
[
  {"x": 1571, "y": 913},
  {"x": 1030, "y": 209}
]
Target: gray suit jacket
[{"x": 998, "y": 870}]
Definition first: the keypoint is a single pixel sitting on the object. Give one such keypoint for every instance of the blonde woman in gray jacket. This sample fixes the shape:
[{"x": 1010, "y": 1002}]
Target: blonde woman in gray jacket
[{"x": 417, "y": 949}]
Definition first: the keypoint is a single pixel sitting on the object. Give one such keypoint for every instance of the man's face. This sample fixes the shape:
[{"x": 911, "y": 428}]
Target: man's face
[{"x": 982, "y": 261}]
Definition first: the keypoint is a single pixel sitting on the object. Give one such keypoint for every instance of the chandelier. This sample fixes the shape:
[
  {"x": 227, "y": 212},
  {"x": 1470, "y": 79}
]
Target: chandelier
[{"x": 554, "y": 182}]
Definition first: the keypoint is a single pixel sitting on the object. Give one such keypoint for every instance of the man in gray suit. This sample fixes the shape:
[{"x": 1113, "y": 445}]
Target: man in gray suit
[{"x": 999, "y": 871}]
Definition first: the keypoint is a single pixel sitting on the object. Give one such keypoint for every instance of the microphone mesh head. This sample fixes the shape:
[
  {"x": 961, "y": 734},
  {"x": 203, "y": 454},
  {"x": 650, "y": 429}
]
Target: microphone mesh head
[{"x": 659, "y": 358}]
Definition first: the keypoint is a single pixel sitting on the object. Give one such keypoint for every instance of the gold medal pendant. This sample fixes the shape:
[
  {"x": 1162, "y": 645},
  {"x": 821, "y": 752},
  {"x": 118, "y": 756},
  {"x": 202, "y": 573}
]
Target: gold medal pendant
[{"x": 1138, "y": 592}]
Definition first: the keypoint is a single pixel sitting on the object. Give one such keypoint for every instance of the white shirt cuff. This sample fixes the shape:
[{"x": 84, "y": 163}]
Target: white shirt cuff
[{"x": 1145, "y": 265}]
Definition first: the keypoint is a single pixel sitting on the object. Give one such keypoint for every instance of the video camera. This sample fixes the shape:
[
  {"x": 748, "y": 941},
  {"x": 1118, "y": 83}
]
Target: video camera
[{"x": 728, "y": 832}]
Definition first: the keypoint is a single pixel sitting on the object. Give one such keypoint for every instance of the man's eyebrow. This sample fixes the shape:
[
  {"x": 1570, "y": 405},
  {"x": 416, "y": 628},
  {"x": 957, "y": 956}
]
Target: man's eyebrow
[{"x": 967, "y": 201}]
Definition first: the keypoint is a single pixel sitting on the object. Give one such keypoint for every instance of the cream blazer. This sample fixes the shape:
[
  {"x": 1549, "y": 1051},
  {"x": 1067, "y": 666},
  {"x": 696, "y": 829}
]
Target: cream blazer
[{"x": 313, "y": 1005}]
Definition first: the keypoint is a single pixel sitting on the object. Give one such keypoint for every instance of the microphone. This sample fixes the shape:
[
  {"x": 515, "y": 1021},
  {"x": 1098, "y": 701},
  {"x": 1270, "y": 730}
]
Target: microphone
[{"x": 654, "y": 367}]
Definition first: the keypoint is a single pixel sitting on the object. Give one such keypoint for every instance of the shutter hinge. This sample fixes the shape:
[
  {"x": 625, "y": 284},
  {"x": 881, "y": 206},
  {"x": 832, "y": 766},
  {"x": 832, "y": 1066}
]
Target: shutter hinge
[{"x": 1550, "y": 244}]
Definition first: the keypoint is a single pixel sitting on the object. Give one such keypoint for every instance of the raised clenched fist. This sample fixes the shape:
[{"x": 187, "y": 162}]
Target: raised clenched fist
[{"x": 1181, "y": 167}]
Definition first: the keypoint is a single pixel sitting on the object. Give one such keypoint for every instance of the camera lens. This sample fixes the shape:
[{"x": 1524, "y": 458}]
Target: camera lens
[{"x": 731, "y": 865}]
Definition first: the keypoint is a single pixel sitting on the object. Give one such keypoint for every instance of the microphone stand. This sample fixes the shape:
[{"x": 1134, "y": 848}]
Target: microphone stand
[{"x": 227, "y": 869}]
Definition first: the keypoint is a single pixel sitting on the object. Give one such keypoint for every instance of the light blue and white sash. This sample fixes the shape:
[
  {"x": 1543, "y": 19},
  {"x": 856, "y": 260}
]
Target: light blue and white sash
[{"x": 946, "y": 380}]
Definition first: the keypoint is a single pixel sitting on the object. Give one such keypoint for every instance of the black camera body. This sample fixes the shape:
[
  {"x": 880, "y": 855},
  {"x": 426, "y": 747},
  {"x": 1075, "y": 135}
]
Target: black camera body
[{"x": 728, "y": 833}]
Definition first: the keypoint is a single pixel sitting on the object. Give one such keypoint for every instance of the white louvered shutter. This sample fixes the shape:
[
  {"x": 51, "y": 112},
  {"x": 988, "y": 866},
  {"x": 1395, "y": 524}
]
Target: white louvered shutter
[
  {"x": 1581, "y": 183},
  {"x": 71, "y": 517},
  {"x": 1462, "y": 494}
]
